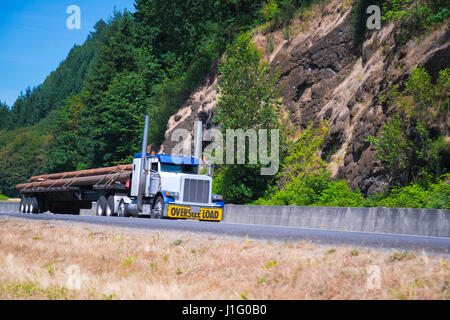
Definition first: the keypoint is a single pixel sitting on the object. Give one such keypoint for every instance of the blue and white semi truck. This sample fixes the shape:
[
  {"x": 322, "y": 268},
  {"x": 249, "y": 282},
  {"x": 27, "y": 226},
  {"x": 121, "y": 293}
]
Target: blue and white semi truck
[{"x": 158, "y": 186}]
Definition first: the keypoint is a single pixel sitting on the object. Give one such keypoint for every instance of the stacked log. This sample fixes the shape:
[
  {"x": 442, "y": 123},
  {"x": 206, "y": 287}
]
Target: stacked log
[
  {"x": 83, "y": 173},
  {"x": 83, "y": 178}
]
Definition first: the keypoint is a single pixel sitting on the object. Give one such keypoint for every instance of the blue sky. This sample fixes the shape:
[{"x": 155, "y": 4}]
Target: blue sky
[{"x": 34, "y": 38}]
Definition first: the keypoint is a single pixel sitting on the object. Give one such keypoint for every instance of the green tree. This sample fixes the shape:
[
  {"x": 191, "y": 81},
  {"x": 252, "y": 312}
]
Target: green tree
[
  {"x": 394, "y": 150},
  {"x": 121, "y": 121},
  {"x": 248, "y": 99},
  {"x": 115, "y": 54},
  {"x": 21, "y": 158},
  {"x": 71, "y": 146},
  {"x": 4, "y": 116},
  {"x": 303, "y": 174},
  {"x": 248, "y": 93},
  {"x": 430, "y": 101}
]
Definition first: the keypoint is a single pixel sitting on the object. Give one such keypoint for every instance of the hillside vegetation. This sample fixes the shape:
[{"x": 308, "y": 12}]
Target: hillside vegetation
[{"x": 89, "y": 112}]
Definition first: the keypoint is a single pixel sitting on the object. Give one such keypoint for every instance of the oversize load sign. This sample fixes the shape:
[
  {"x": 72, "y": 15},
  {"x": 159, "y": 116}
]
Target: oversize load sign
[{"x": 214, "y": 214}]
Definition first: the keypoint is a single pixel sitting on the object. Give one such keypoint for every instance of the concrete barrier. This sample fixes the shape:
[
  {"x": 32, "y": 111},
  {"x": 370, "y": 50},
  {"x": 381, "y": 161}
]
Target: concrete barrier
[
  {"x": 9, "y": 207},
  {"x": 421, "y": 222},
  {"x": 89, "y": 212},
  {"x": 13, "y": 207}
]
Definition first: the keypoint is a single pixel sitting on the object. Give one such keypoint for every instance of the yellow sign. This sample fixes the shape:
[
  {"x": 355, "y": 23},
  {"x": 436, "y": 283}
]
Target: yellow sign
[{"x": 213, "y": 214}]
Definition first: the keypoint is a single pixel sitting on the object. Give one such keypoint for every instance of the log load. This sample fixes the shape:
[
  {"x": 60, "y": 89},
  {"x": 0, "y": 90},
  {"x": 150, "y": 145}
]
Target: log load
[
  {"x": 82, "y": 178},
  {"x": 83, "y": 173}
]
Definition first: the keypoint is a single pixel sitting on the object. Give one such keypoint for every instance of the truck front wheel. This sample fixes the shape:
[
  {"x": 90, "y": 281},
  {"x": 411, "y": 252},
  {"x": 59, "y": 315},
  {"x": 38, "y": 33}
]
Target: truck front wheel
[
  {"x": 101, "y": 206},
  {"x": 122, "y": 209},
  {"x": 158, "y": 208}
]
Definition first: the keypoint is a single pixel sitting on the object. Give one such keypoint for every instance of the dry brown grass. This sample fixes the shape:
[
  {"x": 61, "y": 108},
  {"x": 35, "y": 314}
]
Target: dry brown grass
[{"x": 41, "y": 260}]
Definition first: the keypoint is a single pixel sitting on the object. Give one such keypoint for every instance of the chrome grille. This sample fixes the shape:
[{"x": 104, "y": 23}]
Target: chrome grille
[{"x": 196, "y": 191}]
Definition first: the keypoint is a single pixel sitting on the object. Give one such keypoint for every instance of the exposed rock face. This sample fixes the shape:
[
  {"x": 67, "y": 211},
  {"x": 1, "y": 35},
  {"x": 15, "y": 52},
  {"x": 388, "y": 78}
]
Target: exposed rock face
[
  {"x": 199, "y": 106},
  {"x": 324, "y": 79}
]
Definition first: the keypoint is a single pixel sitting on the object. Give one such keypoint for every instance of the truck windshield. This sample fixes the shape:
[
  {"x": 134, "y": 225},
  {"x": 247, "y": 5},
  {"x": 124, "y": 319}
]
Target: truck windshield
[{"x": 179, "y": 168}]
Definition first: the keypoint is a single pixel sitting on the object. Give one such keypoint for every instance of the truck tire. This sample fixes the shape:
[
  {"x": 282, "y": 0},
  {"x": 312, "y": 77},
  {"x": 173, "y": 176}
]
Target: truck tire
[
  {"x": 122, "y": 211},
  {"x": 158, "y": 208},
  {"x": 34, "y": 205},
  {"x": 22, "y": 205},
  {"x": 101, "y": 206},
  {"x": 110, "y": 206},
  {"x": 27, "y": 205}
]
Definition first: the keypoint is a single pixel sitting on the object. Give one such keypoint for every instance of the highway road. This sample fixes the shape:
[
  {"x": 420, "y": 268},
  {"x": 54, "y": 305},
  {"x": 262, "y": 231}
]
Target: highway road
[{"x": 325, "y": 237}]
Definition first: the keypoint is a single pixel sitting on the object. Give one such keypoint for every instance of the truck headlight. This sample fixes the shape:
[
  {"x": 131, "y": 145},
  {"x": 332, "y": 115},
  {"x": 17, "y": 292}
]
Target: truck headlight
[
  {"x": 216, "y": 197},
  {"x": 172, "y": 194}
]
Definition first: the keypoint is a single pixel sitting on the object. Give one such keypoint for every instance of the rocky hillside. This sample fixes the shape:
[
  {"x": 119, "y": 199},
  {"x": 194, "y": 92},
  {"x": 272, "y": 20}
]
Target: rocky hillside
[{"x": 324, "y": 78}]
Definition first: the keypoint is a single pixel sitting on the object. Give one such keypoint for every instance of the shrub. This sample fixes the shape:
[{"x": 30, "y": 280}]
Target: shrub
[
  {"x": 418, "y": 195},
  {"x": 412, "y": 196},
  {"x": 422, "y": 14},
  {"x": 407, "y": 147},
  {"x": 316, "y": 189},
  {"x": 270, "y": 10},
  {"x": 397, "y": 10},
  {"x": 440, "y": 194},
  {"x": 240, "y": 184},
  {"x": 430, "y": 100},
  {"x": 339, "y": 194},
  {"x": 394, "y": 149},
  {"x": 301, "y": 192},
  {"x": 304, "y": 179}
]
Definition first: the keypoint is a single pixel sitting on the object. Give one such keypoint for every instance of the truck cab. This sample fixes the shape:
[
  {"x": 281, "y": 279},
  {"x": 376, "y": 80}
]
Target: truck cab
[{"x": 173, "y": 188}]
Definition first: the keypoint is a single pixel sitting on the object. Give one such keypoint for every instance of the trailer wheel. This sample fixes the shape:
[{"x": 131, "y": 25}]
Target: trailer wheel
[
  {"x": 122, "y": 210},
  {"x": 101, "y": 206},
  {"x": 34, "y": 205},
  {"x": 158, "y": 208},
  {"x": 22, "y": 205},
  {"x": 27, "y": 205},
  {"x": 110, "y": 206}
]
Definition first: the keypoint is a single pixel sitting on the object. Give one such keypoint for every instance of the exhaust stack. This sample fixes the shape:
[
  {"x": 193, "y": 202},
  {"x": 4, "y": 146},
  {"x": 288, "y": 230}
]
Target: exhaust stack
[
  {"x": 142, "y": 178},
  {"x": 198, "y": 139}
]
